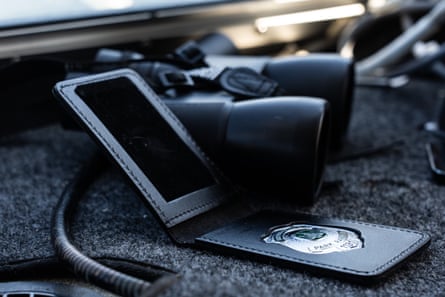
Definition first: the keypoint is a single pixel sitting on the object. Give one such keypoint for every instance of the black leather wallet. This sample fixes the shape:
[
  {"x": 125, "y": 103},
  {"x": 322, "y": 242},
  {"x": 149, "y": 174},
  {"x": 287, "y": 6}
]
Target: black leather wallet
[
  {"x": 199, "y": 207},
  {"x": 365, "y": 254}
]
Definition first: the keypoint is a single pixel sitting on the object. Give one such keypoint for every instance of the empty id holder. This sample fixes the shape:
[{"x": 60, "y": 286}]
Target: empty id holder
[{"x": 198, "y": 207}]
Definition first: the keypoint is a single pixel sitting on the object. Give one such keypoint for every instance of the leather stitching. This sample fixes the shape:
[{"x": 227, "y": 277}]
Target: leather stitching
[
  {"x": 381, "y": 268},
  {"x": 168, "y": 113}
]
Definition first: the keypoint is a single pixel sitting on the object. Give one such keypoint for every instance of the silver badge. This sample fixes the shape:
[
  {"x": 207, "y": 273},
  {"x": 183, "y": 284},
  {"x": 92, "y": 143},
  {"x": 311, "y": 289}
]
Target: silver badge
[{"x": 313, "y": 239}]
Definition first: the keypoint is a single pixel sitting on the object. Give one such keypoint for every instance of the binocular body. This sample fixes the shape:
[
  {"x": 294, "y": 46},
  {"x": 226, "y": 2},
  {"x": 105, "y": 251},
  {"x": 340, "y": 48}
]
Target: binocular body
[
  {"x": 274, "y": 145},
  {"x": 278, "y": 145}
]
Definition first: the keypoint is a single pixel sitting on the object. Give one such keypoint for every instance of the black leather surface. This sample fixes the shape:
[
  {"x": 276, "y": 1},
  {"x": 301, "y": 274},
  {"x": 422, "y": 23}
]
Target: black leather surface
[
  {"x": 384, "y": 247},
  {"x": 162, "y": 133}
]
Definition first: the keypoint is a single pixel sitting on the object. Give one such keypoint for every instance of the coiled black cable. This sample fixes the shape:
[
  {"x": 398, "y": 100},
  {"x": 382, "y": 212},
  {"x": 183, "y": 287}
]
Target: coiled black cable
[{"x": 92, "y": 271}]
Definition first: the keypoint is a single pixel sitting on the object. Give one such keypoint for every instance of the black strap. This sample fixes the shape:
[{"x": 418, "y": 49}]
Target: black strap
[
  {"x": 246, "y": 82},
  {"x": 241, "y": 81},
  {"x": 190, "y": 54},
  {"x": 25, "y": 86}
]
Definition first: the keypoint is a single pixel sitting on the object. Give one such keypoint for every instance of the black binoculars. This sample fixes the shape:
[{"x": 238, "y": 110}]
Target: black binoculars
[
  {"x": 274, "y": 145},
  {"x": 269, "y": 123}
]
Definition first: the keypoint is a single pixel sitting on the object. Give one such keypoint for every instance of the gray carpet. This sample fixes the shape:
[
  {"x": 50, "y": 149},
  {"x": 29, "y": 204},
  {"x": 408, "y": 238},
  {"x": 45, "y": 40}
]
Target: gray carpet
[{"x": 393, "y": 187}]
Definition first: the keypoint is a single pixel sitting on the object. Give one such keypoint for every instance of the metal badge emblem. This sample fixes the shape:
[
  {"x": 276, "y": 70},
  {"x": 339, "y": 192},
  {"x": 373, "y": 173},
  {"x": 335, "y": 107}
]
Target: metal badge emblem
[{"x": 314, "y": 239}]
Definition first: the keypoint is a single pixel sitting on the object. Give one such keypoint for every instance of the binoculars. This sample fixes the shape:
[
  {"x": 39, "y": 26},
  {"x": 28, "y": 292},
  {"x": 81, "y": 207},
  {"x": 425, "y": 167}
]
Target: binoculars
[{"x": 276, "y": 145}]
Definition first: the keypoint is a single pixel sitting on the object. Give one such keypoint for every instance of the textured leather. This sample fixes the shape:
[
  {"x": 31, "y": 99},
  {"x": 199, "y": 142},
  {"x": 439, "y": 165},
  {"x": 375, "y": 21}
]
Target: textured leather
[
  {"x": 112, "y": 139},
  {"x": 384, "y": 247}
]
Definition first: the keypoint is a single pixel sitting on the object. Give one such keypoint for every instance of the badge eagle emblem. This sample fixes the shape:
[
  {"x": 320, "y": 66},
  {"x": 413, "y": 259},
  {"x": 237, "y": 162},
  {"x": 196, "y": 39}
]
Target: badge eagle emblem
[{"x": 314, "y": 239}]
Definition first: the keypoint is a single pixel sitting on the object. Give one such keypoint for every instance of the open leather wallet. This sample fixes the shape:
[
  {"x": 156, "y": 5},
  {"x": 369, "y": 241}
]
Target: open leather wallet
[{"x": 199, "y": 207}]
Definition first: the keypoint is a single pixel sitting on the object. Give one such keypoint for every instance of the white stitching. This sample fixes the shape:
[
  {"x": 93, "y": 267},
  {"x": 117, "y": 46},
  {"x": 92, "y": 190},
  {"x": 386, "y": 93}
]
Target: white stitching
[
  {"x": 304, "y": 261},
  {"x": 126, "y": 168}
]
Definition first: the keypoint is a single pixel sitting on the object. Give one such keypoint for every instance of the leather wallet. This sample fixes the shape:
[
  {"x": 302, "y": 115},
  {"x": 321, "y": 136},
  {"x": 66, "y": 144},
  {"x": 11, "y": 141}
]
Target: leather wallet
[
  {"x": 370, "y": 254},
  {"x": 199, "y": 207}
]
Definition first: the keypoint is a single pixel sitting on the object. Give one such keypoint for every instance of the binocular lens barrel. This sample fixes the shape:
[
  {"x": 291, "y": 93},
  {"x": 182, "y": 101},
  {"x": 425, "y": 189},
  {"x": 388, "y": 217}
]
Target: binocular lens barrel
[
  {"x": 274, "y": 146},
  {"x": 326, "y": 76}
]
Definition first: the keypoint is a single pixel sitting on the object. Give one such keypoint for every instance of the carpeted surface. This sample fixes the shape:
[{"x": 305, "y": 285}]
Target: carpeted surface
[{"x": 393, "y": 187}]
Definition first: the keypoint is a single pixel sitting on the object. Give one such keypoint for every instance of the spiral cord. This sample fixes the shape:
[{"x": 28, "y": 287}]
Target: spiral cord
[{"x": 90, "y": 270}]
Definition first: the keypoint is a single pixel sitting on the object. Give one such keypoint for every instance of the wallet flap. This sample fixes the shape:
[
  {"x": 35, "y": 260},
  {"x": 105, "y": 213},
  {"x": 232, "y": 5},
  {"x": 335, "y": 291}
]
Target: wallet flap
[{"x": 149, "y": 144}]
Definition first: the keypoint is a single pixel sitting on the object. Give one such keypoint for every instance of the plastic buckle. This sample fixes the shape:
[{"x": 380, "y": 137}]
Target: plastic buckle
[
  {"x": 245, "y": 82},
  {"x": 191, "y": 54},
  {"x": 174, "y": 79}
]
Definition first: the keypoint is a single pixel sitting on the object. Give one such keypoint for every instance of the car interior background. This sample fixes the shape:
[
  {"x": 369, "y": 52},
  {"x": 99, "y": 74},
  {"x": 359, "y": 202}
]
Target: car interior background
[{"x": 351, "y": 133}]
